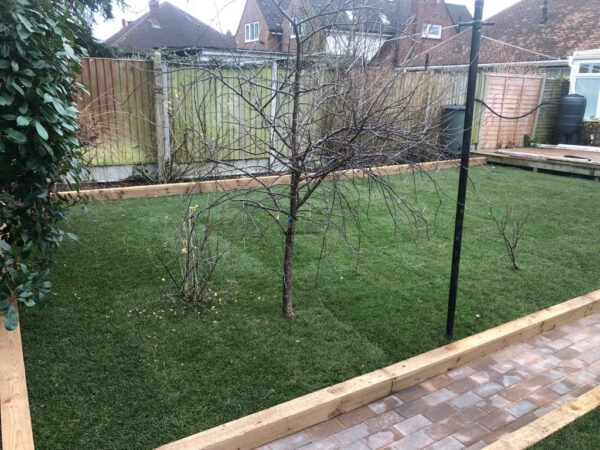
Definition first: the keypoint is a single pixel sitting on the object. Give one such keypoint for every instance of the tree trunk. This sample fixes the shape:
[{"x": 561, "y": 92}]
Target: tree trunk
[
  {"x": 290, "y": 234},
  {"x": 288, "y": 274}
]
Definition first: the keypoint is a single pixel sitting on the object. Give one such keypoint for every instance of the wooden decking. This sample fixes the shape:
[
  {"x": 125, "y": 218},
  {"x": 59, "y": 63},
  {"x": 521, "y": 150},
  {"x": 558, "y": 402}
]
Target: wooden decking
[{"x": 567, "y": 161}]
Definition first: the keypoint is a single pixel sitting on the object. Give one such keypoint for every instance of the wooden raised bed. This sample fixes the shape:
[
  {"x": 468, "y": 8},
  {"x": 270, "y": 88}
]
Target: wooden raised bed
[
  {"x": 162, "y": 190},
  {"x": 293, "y": 416},
  {"x": 14, "y": 403}
]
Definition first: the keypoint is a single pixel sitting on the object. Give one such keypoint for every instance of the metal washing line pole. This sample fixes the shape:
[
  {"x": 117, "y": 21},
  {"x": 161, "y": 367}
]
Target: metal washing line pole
[{"x": 477, "y": 25}]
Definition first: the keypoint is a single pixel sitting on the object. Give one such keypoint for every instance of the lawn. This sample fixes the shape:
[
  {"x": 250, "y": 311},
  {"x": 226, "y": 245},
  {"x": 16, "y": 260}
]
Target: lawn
[
  {"x": 113, "y": 361},
  {"x": 580, "y": 435}
]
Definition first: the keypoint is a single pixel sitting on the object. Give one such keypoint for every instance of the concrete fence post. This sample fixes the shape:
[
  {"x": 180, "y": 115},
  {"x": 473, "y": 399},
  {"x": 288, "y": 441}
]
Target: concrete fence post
[
  {"x": 273, "y": 115},
  {"x": 161, "y": 116}
]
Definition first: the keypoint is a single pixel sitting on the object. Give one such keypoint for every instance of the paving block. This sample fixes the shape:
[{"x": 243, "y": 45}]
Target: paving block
[
  {"x": 291, "y": 442},
  {"x": 412, "y": 393},
  {"x": 383, "y": 421},
  {"x": 412, "y": 425},
  {"x": 415, "y": 441},
  {"x": 471, "y": 434},
  {"x": 448, "y": 443},
  {"x": 461, "y": 386},
  {"x": 442, "y": 429},
  {"x": 356, "y": 416},
  {"x": 465, "y": 400},
  {"x": 496, "y": 420},
  {"x": 382, "y": 439},
  {"x": 469, "y": 415},
  {"x": 439, "y": 396},
  {"x": 352, "y": 434},
  {"x": 480, "y": 377},
  {"x": 411, "y": 409},
  {"x": 520, "y": 408},
  {"x": 325, "y": 444},
  {"x": 460, "y": 372},
  {"x": 509, "y": 379},
  {"x": 436, "y": 383},
  {"x": 385, "y": 404},
  {"x": 487, "y": 389},
  {"x": 440, "y": 412}
]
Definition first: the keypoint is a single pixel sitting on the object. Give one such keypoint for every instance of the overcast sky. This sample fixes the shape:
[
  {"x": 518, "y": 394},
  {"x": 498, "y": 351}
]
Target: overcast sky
[{"x": 225, "y": 15}]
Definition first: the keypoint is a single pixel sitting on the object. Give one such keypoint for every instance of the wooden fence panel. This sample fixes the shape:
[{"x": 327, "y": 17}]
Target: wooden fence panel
[
  {"x": 117, "y": 114},
  {"x": 211, "y": 115},
  {"x": 554, "y": 90},
  {"x": 217, "y": 115},
  {"x": 511, "y": 96}
]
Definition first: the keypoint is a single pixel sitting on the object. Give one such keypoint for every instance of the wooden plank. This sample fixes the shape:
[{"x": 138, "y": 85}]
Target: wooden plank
[
  {"x": 162, "y": 190},
  {"x": 578, "y": 168},
  {"x": 14, "y": 403},
  {"x": 548, "y": 424},
  {"x": 293, "y": 416},
  {"x": 422, "y": 367}
]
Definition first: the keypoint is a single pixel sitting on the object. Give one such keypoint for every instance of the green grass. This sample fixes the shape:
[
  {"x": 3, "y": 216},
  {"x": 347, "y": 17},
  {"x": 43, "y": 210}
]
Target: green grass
[
  {"x": 580, "y": 435},
  {"x": 113, "y": 362}
]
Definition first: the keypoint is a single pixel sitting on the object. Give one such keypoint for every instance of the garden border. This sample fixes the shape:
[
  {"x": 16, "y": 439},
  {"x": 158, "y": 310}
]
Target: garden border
[
  {"x": 162, "y": 190},
  {"x": 17, "y": 432},
  {"x": 548, "y": 424},
  {"x": 284, "y": 419}
]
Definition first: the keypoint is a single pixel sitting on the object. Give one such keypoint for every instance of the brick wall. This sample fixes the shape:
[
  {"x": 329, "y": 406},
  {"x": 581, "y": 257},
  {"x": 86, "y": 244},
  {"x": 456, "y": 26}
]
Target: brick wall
[
  {"x": 266, "y": 41},
  {"x": 430, "y": 12}
]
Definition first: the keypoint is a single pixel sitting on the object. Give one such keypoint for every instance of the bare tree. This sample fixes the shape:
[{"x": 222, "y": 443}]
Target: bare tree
[
  {"x": 327, "y": 123},
  {"x": 511, "y": 228}
]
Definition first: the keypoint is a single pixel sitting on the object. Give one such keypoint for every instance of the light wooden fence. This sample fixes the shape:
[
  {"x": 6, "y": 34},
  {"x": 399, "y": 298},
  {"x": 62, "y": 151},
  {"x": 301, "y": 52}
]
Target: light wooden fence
[
  {"x": 544, "y": 131},
  {"x": 117, "y": 113},
  {"x": 206, "y": 113},
  {"x": 510, "y": 96}
]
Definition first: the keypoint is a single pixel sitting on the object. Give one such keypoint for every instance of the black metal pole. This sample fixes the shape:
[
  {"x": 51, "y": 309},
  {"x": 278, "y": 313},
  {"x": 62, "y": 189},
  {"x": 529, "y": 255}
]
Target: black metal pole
[{"x": 464, "y": 166}]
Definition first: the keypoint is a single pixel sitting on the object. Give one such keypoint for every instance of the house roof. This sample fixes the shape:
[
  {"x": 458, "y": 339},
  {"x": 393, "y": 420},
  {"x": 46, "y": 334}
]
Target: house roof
[
  {"x": 272, "y": 14},
  {"x": 518, "y": 35},
  {"x": 375, "y": 15},
  {"x": 459, "y": 13},
  {"x": 177, "y": 29}
]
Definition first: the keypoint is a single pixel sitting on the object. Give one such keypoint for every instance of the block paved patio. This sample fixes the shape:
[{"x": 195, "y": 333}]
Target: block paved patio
[{"x": 473, "y": 405}]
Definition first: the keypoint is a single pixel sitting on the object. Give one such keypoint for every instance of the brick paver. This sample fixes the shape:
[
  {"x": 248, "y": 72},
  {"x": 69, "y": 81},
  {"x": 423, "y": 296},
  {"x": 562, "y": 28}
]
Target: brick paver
[{"x": 472, "y": 405}]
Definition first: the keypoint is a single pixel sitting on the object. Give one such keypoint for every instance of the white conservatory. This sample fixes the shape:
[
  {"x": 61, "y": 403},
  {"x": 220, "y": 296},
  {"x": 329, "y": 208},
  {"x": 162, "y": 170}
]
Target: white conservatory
[{"x": 585, "y": 80}]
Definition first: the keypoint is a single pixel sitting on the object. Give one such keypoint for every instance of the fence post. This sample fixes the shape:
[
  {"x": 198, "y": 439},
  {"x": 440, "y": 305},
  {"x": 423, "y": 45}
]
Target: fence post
[
  {"x": 161, "y": 116},
  {"x": 274, "y": 89},
  {"x": 539, "y": 111}
]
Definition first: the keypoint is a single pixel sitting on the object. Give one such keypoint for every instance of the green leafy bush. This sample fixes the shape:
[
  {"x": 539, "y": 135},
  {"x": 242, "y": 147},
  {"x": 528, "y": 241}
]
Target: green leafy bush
[{"x": 38, "y": 144}]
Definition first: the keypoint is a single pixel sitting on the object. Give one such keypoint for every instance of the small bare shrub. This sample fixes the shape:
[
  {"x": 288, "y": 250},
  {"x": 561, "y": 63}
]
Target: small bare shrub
[
  {"x": 510, "y": 227},
  {"x": 192, "y": 256}
]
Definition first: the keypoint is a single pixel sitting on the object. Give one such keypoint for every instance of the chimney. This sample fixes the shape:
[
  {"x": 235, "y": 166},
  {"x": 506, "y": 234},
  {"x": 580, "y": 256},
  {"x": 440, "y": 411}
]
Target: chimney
[
  {"x": 544, "y": 13},
  {"x": 154, "y": 15},
  {"x": 123, "y": 23}
]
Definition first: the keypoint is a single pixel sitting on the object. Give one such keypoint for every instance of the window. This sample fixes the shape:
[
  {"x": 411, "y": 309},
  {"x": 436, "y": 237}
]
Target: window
[
  {"x": 585, "y": 80},
  {"x": 252, "y": 32},
  {"x": 301, "y": 28},
  {"x": 590, "y": 68},
  {"x": 590, "y": 89},
  {"x": 430, "y": 31}
]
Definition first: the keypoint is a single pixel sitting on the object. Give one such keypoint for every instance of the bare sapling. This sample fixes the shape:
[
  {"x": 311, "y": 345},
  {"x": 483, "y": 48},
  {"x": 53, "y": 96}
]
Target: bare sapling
[{"x": 510, "y": 226}]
